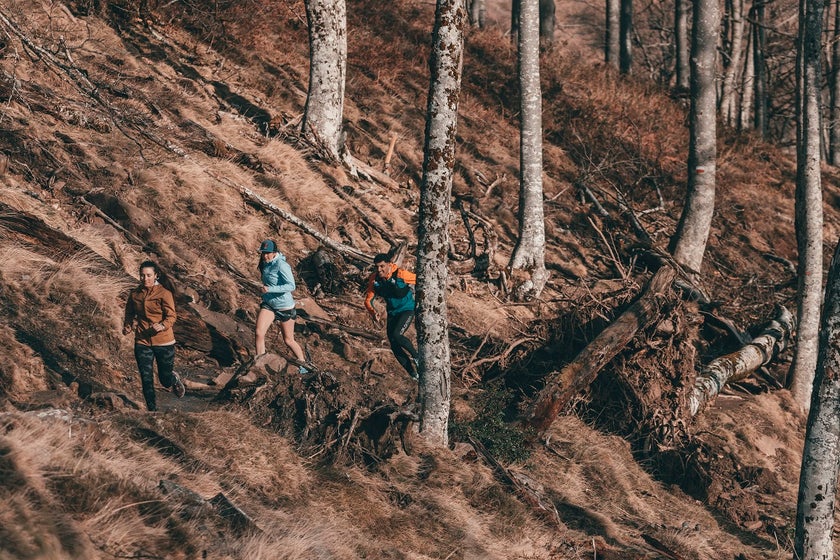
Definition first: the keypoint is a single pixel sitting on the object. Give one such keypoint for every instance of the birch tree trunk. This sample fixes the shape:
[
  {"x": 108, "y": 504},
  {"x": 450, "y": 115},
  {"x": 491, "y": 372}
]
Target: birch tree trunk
[
  {"x": 625, "y": 36},
  {"x": 433, "y": 230},
  {"x": 747, "y": 90},
  {"x": 681, "y": 44},
  {"x": 324, "y": 109},
  {"x": 808, "y": 205},
  {"x": 760, "y": 98},
  {"x": 729, "y": 106},
  {"x": 739, "y": 364},
  {"x": 611, "y": 34},
  {"x": 821, "y": 455},
  {"x": 547, "y": 21},
  {"x": 834, "y": 138},
  {"x": 529, "y": 253},
  {"x": 478, "y": 13},
  {"x": 689, "y": 243}
]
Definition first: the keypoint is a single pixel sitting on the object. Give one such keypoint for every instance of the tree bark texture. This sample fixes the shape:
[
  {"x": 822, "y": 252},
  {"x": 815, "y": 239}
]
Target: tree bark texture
[
  {"x": 611, "y": 34},
  {"x": 681, "y": 44},
  {"x": 834, "y": 138},
  {"x": 625, "y": 36},
  {"x": 747, "y": 82},
  {"x": 821, "y": 455},
  {"x": 689, "y": 243},
  {"x": 735, "y": 27},
  {"x": 547, "y": 21},
  {"x": 760, "y": 98},
  {"x": 478, "y": 13},
  {"x": 433, "y": 235},
  {"x": 808, "y": 204},
  {"x": 529, "y": 253},
  {"x": 561, "y": 386},
  {"x": 327, "y": 66},
  {"x": 740, "y": 364}
]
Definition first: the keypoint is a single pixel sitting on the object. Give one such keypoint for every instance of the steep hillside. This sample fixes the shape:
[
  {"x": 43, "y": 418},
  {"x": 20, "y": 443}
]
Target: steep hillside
[{"x": 135, "y": 130}]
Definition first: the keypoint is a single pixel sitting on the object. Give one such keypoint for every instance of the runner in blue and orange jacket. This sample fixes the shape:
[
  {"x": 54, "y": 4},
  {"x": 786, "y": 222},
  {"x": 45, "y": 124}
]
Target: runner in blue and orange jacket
[{"x": 394, "y": 285}]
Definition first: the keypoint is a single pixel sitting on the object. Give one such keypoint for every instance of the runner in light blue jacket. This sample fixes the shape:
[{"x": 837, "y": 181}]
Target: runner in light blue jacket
[{"x": 277, "y": 301}]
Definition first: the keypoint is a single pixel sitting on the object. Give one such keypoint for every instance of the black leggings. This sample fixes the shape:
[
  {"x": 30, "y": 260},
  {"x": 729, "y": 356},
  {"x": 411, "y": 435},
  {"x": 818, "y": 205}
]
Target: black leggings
[
  {"x": 146, "y": 356},
  {"x": 400, "y": 344}
]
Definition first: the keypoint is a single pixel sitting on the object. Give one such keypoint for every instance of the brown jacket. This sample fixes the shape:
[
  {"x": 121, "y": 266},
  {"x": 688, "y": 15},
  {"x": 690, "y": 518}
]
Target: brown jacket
[{"x": 147, "y": 306}]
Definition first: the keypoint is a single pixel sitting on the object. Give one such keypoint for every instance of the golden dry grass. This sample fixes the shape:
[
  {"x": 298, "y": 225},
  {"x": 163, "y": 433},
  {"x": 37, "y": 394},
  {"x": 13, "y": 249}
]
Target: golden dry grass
[{"x": 429, "y": 504}]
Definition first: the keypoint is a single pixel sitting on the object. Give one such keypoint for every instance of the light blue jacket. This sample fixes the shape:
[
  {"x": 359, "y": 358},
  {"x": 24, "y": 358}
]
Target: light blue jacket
[{"x": 277, "y": 275}]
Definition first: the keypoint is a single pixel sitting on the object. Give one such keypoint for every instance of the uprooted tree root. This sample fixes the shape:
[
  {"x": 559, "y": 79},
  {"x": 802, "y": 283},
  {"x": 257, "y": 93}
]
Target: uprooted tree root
[{"x": 643, "y": 397}]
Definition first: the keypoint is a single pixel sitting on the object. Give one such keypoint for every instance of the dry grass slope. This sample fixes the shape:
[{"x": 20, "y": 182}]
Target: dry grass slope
[{"x": 192, "y": 105}]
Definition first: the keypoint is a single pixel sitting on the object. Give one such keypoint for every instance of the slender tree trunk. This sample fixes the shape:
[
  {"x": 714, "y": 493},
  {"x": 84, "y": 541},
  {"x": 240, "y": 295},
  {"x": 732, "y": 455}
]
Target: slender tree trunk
[
  {"x": 834, "y": 141},
  {"x": 327, "y": 66},
  {"x": 821, "y": 455},
  {"x": 611, "y": 35},
  {"x": 729, "y": 106},
  {"x": 681, "y": 44},
  {"x": 547, "y": 21},
  {"x": 747, "y": 86},
  {"x": 761, "y": 101},
  {"x": 529, "y": 253},
  {"x": 433, "y": 231},
  {"x": 809, "y": 209},
  {"x": 625, "y": 37},
  {"x": 689, "y": 242},
  {"x": 478, "y": 13},
  {"x": 514, "y": 21}
]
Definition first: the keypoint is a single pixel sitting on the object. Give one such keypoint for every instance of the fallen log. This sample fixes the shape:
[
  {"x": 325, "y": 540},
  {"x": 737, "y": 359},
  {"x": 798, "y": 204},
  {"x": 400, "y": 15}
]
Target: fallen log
[
  {"x": 741, "y": 363},
  {"x": 345, "y": 250},
  {"x": 562, "y": 385}
]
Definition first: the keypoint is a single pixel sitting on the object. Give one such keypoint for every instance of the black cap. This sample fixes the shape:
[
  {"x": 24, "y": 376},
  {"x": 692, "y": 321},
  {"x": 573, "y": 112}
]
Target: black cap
[{"x": 268, "y": 246}]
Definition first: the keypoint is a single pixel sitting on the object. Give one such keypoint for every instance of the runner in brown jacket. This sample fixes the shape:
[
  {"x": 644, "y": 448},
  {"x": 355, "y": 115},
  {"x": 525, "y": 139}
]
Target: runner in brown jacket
[{"x": 150, "y": 313}]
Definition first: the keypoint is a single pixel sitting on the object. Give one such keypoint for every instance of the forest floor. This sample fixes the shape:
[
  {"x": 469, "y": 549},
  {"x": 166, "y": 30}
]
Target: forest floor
[{"x": 129, "y": 134}]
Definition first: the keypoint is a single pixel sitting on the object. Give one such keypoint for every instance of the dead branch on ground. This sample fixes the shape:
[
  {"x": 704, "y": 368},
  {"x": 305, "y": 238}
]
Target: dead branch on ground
[
  {"x": 389, "y": 155},
  {"x": 268, "y": 206},
  {"x": 358, "y": 168},
  {"x": 365, "y": 217},
  {"x": 522, "y": 485}
]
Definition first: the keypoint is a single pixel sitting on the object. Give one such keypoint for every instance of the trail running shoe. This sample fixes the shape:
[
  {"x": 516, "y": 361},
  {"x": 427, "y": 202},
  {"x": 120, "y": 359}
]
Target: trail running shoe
[{"x": 178, "y": 386}]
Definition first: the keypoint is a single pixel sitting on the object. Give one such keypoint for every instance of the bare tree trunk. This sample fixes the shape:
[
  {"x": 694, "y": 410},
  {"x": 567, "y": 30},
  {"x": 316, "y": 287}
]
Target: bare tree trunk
[
  {"x": 529, "y": 253},
  {"x": 834, "y": 141},
  {"x": 689, "y": 242},
  {"x": 547, "y": 21},
  {"x": 821, "y": 455},
  {"x": 681, "y": 44},
  {"x": 433, "y": 231},
  {"x": 761, "y": 101},
  {"x": 625, "y": 37},
  {"x": 747, "y": 89},
  {"x": 809, "y": 210},
  {"x": 514, "y": 21},
  {"x": 327, "y": 67},
  {"x": 611, "y": 35},
  {"x": 729, "y": 106},
  {"x": 739, "y": 364},
  {"x": 478, "y": 13}
]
